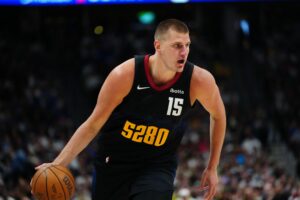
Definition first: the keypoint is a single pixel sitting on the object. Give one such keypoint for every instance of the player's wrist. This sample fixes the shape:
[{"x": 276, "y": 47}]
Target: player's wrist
[
  {"x": 212, "y": 166},
  {"x": 59, "y": 162}
]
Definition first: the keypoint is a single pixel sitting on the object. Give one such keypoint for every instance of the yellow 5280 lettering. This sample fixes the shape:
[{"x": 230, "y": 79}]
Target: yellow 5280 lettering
[{"x": 151, "y": 135}]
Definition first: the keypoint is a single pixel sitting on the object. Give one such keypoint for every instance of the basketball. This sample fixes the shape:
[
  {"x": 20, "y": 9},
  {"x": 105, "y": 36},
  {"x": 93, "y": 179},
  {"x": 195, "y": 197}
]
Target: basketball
[{"x": 53, "y": 183}]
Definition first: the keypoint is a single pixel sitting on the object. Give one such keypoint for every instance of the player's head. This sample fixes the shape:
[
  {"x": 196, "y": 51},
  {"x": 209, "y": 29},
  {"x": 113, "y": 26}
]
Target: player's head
[
  {"x": 164, "y": 26},
  {"x": 171, "y": 43}
]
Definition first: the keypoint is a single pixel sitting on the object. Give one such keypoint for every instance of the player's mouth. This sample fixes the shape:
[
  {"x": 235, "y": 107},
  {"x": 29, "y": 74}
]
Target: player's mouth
[{"x": 181, "y": 61}]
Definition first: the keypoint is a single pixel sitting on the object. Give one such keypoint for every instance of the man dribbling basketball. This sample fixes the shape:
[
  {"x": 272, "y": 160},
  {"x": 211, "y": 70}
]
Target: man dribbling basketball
[{"x": 139, "y": 108}]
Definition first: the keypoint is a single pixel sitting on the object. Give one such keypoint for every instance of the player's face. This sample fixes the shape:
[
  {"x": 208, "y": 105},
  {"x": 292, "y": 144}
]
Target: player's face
[{"x": 174, "y": 50}]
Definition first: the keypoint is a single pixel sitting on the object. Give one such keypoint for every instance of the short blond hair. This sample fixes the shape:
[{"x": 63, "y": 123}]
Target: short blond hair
[{"x": 168, "y": 24}]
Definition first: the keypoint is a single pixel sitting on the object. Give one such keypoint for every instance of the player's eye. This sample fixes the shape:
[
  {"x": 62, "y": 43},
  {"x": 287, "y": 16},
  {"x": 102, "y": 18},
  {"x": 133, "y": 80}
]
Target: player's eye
[{"x": 178, "y": 46}]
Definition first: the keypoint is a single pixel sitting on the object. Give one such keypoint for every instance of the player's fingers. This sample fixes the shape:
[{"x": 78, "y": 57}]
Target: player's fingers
[
  {"x": 207, "y": 194},
  {"x": 213, "y": 192},
  {"x": 210, "y": 193},
  {"x": 30, "y": 183},
  {"x": 204, "y": 188},
  {"x": 44, "y": 165},
  {"x": 31, "y": 186},
  {"x": 203, "y": 182}
]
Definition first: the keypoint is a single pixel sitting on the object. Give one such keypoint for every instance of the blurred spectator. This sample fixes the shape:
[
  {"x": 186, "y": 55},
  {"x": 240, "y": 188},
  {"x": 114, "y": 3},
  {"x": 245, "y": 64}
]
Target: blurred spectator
[{"x": 251, "y": 144}]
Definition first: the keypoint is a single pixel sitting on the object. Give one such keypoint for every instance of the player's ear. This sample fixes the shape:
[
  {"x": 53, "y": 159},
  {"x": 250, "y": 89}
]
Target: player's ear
[{"x": 157, "y": 45}]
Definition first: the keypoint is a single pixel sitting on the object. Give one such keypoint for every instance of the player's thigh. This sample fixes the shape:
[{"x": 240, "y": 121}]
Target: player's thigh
[
  {"x": 105, "y": 189},
  {"x": 153, "y": 195},
  {"x": 111, "y": 183}
]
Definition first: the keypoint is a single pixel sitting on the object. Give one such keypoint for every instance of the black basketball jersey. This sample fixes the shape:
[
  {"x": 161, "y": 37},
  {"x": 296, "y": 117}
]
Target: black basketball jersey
[{"x": 143, "y": 127}]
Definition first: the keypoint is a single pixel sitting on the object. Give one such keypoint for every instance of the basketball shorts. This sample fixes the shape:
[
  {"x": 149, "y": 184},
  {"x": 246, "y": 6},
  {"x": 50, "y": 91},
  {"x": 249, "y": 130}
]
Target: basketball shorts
[{"x": 128, "y": 181}]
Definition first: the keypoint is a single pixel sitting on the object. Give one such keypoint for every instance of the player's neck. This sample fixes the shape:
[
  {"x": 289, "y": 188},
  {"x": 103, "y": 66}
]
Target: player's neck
[{"x": 160, "y": 74}]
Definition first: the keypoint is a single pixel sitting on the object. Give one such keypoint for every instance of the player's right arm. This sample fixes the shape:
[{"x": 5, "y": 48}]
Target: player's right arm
[{"x": 116, "y": 86}]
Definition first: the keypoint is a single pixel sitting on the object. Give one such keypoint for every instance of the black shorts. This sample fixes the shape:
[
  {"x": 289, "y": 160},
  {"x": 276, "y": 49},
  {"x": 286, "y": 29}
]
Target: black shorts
[{"x": 128, "y": 181}]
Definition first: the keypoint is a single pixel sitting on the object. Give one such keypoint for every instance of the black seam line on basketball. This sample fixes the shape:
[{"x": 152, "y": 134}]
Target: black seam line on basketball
[
  {"x": 37, "y": 180},
  {"x": 59, "y": 183},
  {"x": 65, "y": 173},
  {"x": 46, "y": 184}
]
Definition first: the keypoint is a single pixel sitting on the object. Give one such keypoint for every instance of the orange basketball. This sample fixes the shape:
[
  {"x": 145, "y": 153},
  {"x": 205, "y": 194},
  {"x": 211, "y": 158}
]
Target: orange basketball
[{"x": 53, "y": 183}]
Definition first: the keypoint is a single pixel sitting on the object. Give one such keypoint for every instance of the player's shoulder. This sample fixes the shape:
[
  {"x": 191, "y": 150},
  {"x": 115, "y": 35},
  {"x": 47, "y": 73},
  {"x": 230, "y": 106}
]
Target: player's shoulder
[
  {"x": 121, "y": 77},
  {"x": 202, "y": 84},
  {"x": 124, "y": 71},
  {"x": 124, "y": 67},
  {"x": 202, "y": 76}
]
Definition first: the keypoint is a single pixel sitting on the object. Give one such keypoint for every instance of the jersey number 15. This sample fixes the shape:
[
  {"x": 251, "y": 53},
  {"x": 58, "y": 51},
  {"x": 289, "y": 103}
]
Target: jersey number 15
[{"x": 175, "y": 106}]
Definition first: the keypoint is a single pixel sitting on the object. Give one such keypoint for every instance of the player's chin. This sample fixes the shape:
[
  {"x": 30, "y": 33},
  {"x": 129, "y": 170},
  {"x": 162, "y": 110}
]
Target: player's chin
[{"x": 180, "y": 67}]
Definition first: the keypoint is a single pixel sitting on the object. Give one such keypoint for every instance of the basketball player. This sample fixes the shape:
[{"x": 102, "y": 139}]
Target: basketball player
[{"x": 139, "y": 109}]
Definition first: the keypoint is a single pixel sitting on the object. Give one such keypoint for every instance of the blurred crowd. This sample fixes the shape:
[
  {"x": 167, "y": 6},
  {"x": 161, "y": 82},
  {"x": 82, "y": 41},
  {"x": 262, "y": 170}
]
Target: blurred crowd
[
  {"x": 278, "y": 61},
  {"x": 44, "y": 84}
]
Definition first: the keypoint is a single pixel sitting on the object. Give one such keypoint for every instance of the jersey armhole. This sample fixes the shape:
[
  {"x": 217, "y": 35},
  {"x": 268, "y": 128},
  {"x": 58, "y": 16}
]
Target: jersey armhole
[
  {"x": 137, "y": 60},
  {"x": 192, "y": 66}
]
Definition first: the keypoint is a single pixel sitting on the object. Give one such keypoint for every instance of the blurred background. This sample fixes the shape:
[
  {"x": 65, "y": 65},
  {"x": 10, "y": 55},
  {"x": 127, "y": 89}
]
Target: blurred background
[{"x": 54, "y": 58}]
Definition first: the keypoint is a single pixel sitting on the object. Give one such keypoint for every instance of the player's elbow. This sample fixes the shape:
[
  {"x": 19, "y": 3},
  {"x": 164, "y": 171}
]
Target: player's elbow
[{"x": 219, "y": 112}]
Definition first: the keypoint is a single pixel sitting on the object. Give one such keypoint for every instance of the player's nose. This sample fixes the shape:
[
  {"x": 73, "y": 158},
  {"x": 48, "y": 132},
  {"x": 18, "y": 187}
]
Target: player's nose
[{"x": 184, "y": 51}]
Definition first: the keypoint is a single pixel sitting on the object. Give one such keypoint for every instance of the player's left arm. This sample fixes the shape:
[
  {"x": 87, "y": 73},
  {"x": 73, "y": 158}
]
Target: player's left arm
[{"x": 205, "y": 90}]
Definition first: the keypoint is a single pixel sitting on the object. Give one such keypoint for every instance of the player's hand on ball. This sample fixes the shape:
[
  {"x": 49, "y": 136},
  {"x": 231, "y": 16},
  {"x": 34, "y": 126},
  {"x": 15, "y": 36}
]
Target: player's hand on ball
[
  {"x": 44, "y": 165},
  {"x": 52, "y": 182}
]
